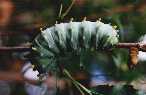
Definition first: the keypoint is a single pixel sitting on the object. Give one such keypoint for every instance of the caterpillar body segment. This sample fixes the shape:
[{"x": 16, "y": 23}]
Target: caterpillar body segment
[{"x": 63, "y": 38}]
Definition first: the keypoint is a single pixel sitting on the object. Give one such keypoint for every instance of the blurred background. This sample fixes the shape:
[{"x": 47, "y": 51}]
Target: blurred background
[{"x": 21, "y": 20}]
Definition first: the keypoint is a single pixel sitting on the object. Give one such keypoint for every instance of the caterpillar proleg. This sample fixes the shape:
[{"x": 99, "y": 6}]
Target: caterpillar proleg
[{"x": 64, "y": 38}]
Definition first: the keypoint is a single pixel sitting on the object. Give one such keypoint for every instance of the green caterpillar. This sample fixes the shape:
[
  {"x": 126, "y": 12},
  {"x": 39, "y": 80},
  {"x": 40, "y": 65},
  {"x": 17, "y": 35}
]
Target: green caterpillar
[{"x": 73, "y": 37}]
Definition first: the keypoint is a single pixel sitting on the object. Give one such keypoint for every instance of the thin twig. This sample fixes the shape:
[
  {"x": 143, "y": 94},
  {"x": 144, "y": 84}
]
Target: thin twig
[
  {"x": 73, "y": 80},
  {"x": 82, "y": 93},
  {"x": 68, "y": 9},
  {"x": 77, "y": 83},
  {"x": 60, "y": 11}
]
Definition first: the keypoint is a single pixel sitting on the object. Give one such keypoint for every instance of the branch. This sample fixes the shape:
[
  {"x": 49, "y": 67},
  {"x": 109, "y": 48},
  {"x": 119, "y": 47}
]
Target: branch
[
  {"x": 140, "y": 46},
  {"x": 15, "y": 49}
]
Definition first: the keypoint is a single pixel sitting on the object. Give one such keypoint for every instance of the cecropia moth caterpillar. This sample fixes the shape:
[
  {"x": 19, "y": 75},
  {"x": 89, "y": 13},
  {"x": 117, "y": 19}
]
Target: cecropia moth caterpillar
[{"x": 64, "y": 38}]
